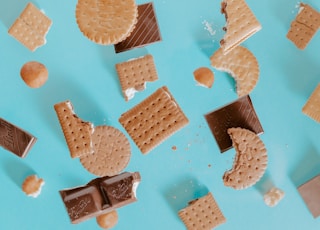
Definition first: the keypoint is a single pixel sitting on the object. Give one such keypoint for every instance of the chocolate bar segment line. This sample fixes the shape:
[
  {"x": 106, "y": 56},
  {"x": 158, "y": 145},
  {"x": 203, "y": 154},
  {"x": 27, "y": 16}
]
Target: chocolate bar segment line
[
  {"x": 100, "y": 196},
  {"x": 15, "y": 139}
]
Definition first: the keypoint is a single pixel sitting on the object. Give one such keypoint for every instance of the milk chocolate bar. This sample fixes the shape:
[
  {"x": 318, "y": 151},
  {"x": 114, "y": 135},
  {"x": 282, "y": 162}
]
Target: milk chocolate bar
[
  {"x": 14, "y": 139},
  {"x": 146, "y": 30},
  {"x": 239, "y": 113},
  {"x": 100, "y": 196}
]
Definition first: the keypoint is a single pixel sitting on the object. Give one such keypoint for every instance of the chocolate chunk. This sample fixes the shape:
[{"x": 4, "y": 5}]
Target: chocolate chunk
[
  {"x": 310, "y": 192},
  {"x": 121, "y": 190},
  {"x": 15, "y": 139},
  {"x": 239, "y": 113},
  {"x": 146, "y": 30},
  {"x": 100, "y": 196},
  {"x": 82, "y": 203}
]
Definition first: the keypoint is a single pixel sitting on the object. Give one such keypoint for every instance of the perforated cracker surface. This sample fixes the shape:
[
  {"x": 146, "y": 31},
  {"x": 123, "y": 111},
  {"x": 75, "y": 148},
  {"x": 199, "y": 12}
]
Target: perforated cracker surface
[
  {"x": 241, "y": 23},
  {"x": 106, "y": 21},
  {"x": 250, "y": 161},
  {"x": 241, "y": 64},
  {"x": 31, "y": 27},
  {"x": 153, "y": 120},
  {"x": 77, "y": 132},
  {"x": 111, "y": 152},
  {"x": 134, "y": 74},
  {"x": 312, "y": 106},
  {"x": 202, "y": 214}
]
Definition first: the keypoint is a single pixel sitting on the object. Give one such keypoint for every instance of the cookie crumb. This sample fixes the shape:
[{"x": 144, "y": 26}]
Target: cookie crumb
[
  {"x": 174, "y": 148},
  {"x": 32, "y": 186}
]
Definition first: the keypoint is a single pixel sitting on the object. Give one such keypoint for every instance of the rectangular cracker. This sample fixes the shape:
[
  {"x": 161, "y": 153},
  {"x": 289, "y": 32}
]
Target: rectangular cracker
[
  {"x": 312, "y": 106},
  {"x": 153, "y": 120},
  {"x": 77, "y": 132},
  {"x": 202, "y": 214},
  {"x": 134, "y": 74},
  {"x": 304, "y": 27},
  {"x": 31, "y": 27}
]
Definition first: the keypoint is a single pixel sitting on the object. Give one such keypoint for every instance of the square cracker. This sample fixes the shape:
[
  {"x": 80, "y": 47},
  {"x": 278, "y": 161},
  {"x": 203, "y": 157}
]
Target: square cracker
[
  {"x": 304, "y": 27},
  {"x": 153, "y": 120},
  {"x": 202, "y": 214},
  {"x": 31, "y": 27},
  {"x": 312, "y": 106},
  {"x": 134, "y": 74}
]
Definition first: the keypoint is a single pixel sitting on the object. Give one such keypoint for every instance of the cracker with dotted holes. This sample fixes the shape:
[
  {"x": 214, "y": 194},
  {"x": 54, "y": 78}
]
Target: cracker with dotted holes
[
  {"x": 241, "y": 64},
  {"x": 134, "y": 74},
  {"x": 250, "y": 162},
  {"x": 153, "y": 120},
  {"x": 304, "y": 27},
  {"x": 32, "y": 186},
  {"x": 31, "y": 27},
  {"x": 76, "y": 131},
  {"x": 111, "y": 152},
  {"x": 241, "y": 23},
  {"x": 106, "y": 22},
  {"x": 312, "y": 106},
  {"x": 202, "y": 214}
]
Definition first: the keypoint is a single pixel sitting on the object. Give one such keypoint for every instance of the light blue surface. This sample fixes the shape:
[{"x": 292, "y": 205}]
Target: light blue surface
[{"x": 84, "y": 73}]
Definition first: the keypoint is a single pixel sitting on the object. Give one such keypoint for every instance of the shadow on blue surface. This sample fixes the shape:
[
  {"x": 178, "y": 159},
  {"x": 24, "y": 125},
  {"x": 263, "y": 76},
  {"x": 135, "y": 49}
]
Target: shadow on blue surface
[
  {"x": 181, "y": 194},
  {"x": 265, "y": 184},
  {"x": 17, "y": 171},
  {"x": 308, "y": 167},
  {"x": 10, "y": 10}
]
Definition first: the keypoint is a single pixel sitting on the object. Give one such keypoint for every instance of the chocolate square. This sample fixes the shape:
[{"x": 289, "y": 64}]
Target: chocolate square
[
  {"x": 120, "y": 190},
  {"x": 14, "y": 139},
  {"x": 310, "y": 192},
  {"x": 146, "y": 30},
  {"x": 82, "y": 202},
  {"x": 239, "y": 113}
]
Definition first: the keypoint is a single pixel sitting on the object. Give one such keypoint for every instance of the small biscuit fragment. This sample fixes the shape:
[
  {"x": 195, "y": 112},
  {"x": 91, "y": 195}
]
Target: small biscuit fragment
[
  {"x": 153, "y": 120},
  {"x": 273, "y": 197},
  {"x": 34, "y": 74},
  {"x": 241, "y": 23},
  {"x": 134, "y": 74},
  {"x": 304, "y": 27},
  {"x": 32, "y": 186},
  {"x": 106, "y": 22},
  {"x": 202, "y": 214},
  {"x": 111, "y": 152},
  {"x": 312, "y": 106},
  {"x": 241, "y": 64},
  {"x": 77, "y": 132},
  {"x": 204, "y": 77},
  {"x": 250, "y": 162},
  {"x": 31, "y": 27},
  {"x": 108, "y": 220}
]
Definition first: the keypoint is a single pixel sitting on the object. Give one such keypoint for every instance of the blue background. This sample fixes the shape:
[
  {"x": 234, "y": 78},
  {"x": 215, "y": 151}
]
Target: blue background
[{"x": 84, "y": 72}]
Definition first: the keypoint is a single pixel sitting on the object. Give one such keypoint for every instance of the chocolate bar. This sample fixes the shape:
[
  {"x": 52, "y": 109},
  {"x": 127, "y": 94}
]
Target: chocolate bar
[
  {"x": 100, "y": 196},
  {"x": 146, "y": 30},
  {"x": 310, "y": 193},
  {"x": 14, "y": 139},
  {"x": 239, "y": 113}
]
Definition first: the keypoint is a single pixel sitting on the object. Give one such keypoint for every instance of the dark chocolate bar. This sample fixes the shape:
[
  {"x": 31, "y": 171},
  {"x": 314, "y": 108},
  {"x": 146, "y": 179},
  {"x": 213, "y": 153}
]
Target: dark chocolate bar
[
  {"x": 100, "y": 196},
  {"x": 146, "y": 30},
  {"x": 14, "y": 139},
  {"x": 239, "y": 113}
]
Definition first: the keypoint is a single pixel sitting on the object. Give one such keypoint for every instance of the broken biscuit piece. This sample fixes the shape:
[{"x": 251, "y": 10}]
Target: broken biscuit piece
[
  {"x": 241, "y": 23},
  {"x": 31, "y": 27},
  {"x": 273, "y": 197},
  {"x": 32, "y": 186},
  {"x": 204, "y": 77},
  {"x": 304, "y": 27},
  {"x": 76, "y": 131},
  {"x": 135, "y": 73}
]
